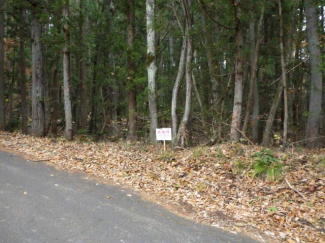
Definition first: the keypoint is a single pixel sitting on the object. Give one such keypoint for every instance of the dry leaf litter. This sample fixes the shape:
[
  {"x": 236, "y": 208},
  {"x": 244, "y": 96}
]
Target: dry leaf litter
[{"x": 203, "y": 184}]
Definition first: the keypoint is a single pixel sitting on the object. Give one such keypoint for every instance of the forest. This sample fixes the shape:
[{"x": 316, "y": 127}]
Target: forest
[{"x": 247, "y": 71}]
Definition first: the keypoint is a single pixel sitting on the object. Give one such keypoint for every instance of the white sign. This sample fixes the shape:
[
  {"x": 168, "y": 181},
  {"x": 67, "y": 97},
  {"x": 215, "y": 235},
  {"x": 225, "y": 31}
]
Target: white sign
[{"x": 163, "y": 134}]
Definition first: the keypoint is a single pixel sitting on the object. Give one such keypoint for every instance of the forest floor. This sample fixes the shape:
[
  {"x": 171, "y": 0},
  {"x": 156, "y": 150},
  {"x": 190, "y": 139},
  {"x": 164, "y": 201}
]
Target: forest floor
[{"x": 212, "y": 185}]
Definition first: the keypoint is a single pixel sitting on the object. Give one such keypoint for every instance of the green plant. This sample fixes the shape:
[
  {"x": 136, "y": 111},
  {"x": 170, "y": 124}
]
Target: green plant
[
  {"x": 266, "y": 163},
  {"x": 238, "y": 166},
  {"x": 273, "y": 209},
  {"x": 219, "y": 153}
]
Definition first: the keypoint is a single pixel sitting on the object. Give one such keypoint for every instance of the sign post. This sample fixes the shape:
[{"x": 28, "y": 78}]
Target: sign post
[{"x": 164, "y": 134}]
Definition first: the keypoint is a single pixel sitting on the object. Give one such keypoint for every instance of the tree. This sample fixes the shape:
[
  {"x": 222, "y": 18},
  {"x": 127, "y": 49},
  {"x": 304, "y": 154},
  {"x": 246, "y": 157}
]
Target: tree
[
  {"x": 38, "y": 104},
  {"x": 152, "y": 68},
  {"x": 239, "y": 78},
  {"x": 82, "y": 69},
  {"x": 253, "y": 71},
  {"x": 132, "y": 102},
  {"x": 22, "y": 56},
  {"x": 2, "y": 76},
  {"x": 66, "y": 75},
  {"x": 181, "y": 137},
  {"x": 284, "y": 78},
  {"x": 315, "y": 100}
]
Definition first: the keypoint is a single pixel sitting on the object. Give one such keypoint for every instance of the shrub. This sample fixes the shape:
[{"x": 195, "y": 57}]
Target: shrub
[{"x": 266, "y": 163}]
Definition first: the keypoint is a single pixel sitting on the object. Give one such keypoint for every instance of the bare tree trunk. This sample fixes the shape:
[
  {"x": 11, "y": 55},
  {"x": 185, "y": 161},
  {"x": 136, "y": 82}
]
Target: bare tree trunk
[
  {"x": 23, "y": 90},
  {"x": 38, "y": 105},
  {"x": 199, "y": 100},
  {"x": 152, "y": 68},
  {"x": 256, "y": 110},
  {"x": 284, "y": 79},
  {"x": 132, "y": 103},
  {"x": 93, "y": 117},
  {"x": 238, "y": 97},
  {"x": 82, "y": 72},
  {"x": 2, "y": 76},
  {"x": 270, "y": 118},
  {"x": 254, "y": 61},
  {"x": 315, "y": 101},
  {"x": 11, "y": 87},
  {"x": 181, "y": 136},
  {"x": 179, "y": 78},
  {"x": 114, "y": 100},
  {"x": 68, "y": 134},
  {"x": 54, "y": 101},
  {"x": 212, "y": 65}
]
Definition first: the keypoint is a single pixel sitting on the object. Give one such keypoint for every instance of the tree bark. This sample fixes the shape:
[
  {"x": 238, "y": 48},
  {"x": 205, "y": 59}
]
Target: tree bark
[
  {"x": 11, "y": 90},
  {"x": 132, "y": 103},
  {"x": 284, "y": 79},
  {"x": 23, "y": 89},
  {"x": 38, "y": 105},
  {"x": 54, "y": 101},
  {"x": 256, "y": 110},
  {"x": 83, "y": 71},
  {"x": 181, "y": 137},
  {"x": 270, "y": 118},
  {"x": 68, "y": 133},
  {"x": 315, "y": 100},
  {"x": 179, "y": 78},
  {"x": 254, "y": 61},
  {"x": 2, "y": 76},
  {"x": 199, "y": 101},
  {"x": 152, "y": 68},
  {"x": 212, "y": 65},
  {"x": 238, "y": 97}
]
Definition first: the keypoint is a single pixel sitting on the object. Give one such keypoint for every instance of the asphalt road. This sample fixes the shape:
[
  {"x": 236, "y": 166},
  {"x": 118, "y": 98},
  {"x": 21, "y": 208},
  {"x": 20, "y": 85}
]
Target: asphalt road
[{"x": 39, "y": 204}]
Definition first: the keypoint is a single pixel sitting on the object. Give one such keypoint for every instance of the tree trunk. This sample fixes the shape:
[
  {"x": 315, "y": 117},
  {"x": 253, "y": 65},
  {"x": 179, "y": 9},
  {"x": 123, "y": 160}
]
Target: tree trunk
[
  {"x": 94, "y": 103},
  {"x": 68, "y": 133},
  {"x": 254, "y": 61},
  {"x": 54, "y": 101},
  {"x": 256, "y": 110},
  {"x": 23, "y": 90},
  {"x": 199, "y": 101},
  {"x": 132, "y": 103},
  {"x": 152, "y": 68},
  {"x": 238, "y": 97},
  {"x": 181, "y": 136},
  {"x": 212, "y": 65},
  {"x": 270, "y": 118},
  {"x": 2, "y": 76},
  {"x": 315, "y": 100},
  {"x": 11, "y": 90},
  {"x": 82, "y": 72},
  {"x": 38, "y": 106},
  {"x": 284, "y": 79},
  {"x": 179, "y": 78}
]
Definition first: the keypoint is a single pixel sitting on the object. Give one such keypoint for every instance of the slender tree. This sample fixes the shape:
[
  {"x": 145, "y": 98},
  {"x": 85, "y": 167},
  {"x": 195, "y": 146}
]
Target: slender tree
[
  {"x": 132, "y": 102},
  {"x": 152, "y": 68},
  {"x": 181, "y": 137},
  {"x": 254, "y": 61},
  {"x": 66, "y": 75},
  {"x": 239, "y": 78},
  {"x": 82, "y": 69},
  {"x": 284, "y": 78},
  {"x": 2, "y": 76},
  {"x": 22, "y": 56},
  {"x": 38, "y": 105}
]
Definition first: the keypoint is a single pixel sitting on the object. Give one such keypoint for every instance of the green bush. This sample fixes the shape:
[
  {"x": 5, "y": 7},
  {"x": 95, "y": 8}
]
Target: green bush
[{"x": 267, "y": 164}]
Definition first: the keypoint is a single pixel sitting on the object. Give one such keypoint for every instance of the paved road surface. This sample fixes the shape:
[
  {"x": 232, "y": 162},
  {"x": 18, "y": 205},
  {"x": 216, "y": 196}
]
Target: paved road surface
[{"x": 39, "y": 204}]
